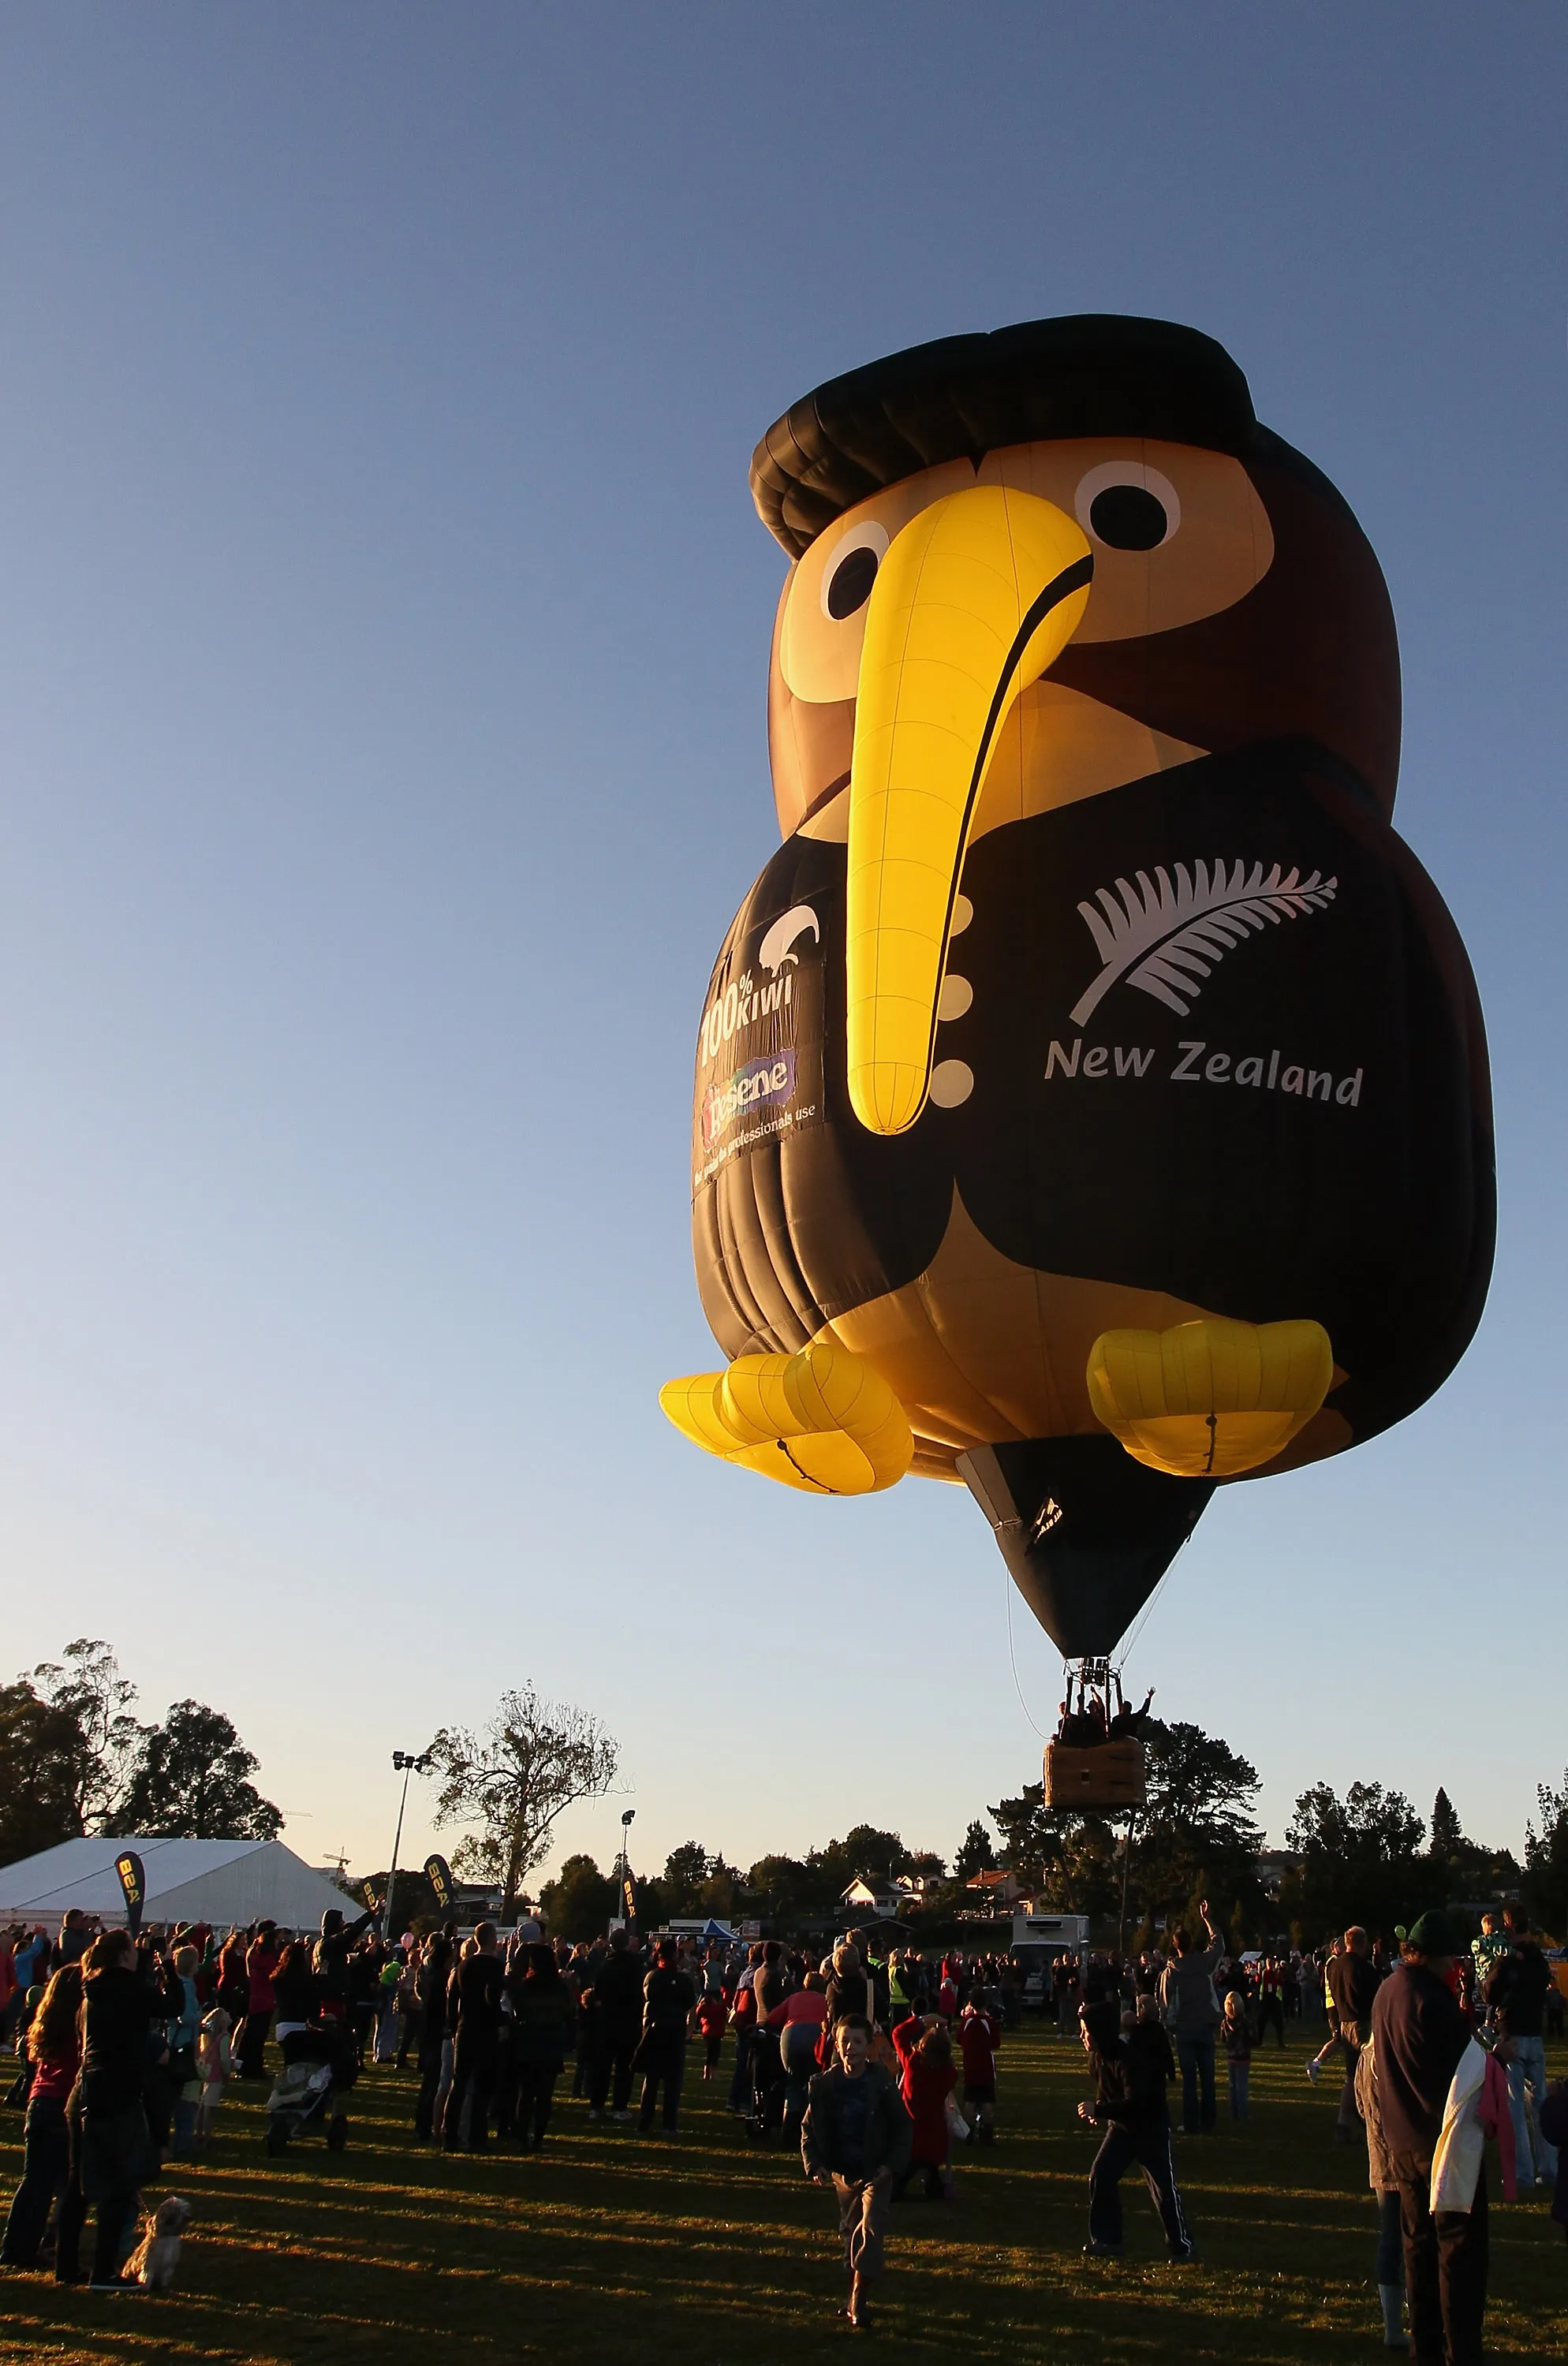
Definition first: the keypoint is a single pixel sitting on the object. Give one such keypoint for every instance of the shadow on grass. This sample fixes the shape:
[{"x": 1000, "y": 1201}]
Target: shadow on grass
[{"x": 716, "y": 2251}]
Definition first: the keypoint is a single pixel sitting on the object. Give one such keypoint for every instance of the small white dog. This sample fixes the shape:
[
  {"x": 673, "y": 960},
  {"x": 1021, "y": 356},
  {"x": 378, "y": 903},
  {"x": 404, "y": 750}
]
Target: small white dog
[{"x": 155, "y": 2258}]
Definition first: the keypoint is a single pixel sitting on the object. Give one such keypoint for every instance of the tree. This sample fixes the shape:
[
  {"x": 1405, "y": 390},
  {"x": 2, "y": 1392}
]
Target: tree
[
  {"x": 874, "y": 1855},
  {"x": 533, "y": 1760},
  {"x": 685, "y": 1870},
  {"x": 87, "y": 1685},
  {"x": 1446, "y": 1840},
  {"x": 1031, "y": 1839},
  {"x": 1196, "y": 1836},
  {"x": 579, "y": 1902},
  {"x": 783, "y": 1888},
  {"x": 977, "y": 1852},
  {"x": 190, "y": 1780},
  {"x": 1358, "y": 1859},
  {"x": 1546, "y": 1858},
  {"x": 38, "y": 1767}
]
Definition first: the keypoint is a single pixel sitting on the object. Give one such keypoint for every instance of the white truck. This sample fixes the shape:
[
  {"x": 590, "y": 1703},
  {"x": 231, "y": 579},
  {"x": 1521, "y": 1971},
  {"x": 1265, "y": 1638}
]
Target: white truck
[{"x": 1038, "y": 1939}]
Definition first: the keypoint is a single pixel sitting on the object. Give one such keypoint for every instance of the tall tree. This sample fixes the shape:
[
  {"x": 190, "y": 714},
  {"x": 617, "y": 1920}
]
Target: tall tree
[
  {"x": 1031, "y": 1839},
  {"x": 1196, "y": 1835},
  {"x": 1546, "y": 1858},
  {"x": 516, "y": 1779},
  {"x": 1447, "y": 1839},
  {"x": 86, "y": 1684},
  {"x": 783, "y": 1886},
  {"x": 1360, "y": 1859},
  {"x": 580, "y": 1901},
  {"x": 39, "y": 1754},
  {"x": 190, "y": 1779},
  {"x": 977, "y": 1852},
  {"x": 685, "y": 1870}
]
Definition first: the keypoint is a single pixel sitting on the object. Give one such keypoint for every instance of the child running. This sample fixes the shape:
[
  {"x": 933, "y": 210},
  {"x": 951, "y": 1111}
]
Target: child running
[
  {"x": 925, "y": 2050},
  {"x": 1132, "y": 2074},
  {"x": 856, "y": 2137}
]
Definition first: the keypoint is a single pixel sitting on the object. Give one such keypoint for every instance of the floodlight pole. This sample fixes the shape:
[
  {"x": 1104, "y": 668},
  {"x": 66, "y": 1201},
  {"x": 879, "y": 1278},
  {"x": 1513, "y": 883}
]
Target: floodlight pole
[
  {"x": 1127, "y": 1864},
  {"x": 406, "y": 1763},
  {"x": 626, "y": 1815}
]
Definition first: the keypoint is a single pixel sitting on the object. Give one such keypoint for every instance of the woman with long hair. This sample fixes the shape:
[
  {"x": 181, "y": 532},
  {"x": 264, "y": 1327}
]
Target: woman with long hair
[
  {"x": 54, "y": 2050},
  {"x": 111, "y": 2145},
  {"x": 232, "y": 1981}
]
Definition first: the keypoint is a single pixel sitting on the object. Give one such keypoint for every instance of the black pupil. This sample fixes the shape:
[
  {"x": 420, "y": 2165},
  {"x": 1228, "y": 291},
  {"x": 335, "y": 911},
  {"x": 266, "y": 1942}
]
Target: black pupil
[
  {"x": 853, "y": 580},
  {"x": 1128, "y": 517}
]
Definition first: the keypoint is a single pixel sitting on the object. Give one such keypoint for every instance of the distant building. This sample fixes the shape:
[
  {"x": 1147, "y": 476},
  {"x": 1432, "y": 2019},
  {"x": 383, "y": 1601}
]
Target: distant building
[
  {"x": 995, "y": 1887},
  {"x": 885, "y": 1898},
  {"x": 1272, "y": 1868}
]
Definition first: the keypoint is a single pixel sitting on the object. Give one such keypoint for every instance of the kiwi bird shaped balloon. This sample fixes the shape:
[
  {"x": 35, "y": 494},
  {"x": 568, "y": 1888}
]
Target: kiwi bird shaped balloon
[{"x": 1091, "y": 1097}]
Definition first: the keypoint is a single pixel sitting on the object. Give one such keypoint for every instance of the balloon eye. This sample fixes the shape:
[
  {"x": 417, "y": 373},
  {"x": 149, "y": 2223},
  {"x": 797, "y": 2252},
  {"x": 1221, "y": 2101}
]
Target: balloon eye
[
  {"x": 1128, "y": 517},
  {"x": 849, "y": 587}
]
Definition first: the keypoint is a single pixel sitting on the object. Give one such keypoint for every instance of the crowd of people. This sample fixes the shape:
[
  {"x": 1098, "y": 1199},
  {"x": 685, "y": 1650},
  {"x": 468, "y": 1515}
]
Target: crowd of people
[{"x": 877, "y": 2066}]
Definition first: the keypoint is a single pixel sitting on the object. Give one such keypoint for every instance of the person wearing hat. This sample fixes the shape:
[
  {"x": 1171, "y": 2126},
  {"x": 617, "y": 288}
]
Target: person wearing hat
[{"x": 1420, "y": 2036}]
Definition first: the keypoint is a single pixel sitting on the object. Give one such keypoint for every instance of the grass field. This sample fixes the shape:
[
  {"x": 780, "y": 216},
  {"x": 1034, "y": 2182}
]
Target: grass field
[{"x": 716, "y": 2252}]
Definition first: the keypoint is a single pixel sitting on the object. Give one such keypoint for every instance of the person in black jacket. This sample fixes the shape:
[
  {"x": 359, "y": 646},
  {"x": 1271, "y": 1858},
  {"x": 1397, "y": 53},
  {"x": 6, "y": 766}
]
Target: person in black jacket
[
  {"x": 111, "y": 2150},
  {"x": 1420, "y": 2035},
  {"x": 1131, "y": 2074},
  {"x": 477, "y": 2042},
  {"x": 1352, "y": 1985},
  {"x": 434, "y": 2036},
  {"x": 616, "y": 2015},
  {"x": 669, "y": 2001}
]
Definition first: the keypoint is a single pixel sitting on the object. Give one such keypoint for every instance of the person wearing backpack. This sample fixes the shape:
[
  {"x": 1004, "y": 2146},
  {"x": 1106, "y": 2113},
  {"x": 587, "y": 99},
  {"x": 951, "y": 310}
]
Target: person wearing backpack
[{"x": 1191, "y": 2014}]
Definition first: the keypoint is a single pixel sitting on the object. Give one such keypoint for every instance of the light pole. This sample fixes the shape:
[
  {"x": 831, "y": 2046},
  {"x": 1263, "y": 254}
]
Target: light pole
[
  {"x": 626, "y": 1834},
  {"x": 404, "y": 1763}
]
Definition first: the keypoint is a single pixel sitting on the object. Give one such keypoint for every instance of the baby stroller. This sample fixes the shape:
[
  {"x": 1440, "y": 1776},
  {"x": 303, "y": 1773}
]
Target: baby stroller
[{"x": 318, "y": 2070}]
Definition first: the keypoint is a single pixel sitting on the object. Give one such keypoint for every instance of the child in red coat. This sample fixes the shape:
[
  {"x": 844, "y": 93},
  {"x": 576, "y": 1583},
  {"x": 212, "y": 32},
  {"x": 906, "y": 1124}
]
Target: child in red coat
[
  {"x": 711, "y": 2018},
  {"x": 925, "y": 2050}
]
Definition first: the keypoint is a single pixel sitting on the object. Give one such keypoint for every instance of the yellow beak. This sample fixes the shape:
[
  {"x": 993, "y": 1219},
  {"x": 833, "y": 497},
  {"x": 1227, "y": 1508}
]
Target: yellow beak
[{"x": 976, "y": 597}]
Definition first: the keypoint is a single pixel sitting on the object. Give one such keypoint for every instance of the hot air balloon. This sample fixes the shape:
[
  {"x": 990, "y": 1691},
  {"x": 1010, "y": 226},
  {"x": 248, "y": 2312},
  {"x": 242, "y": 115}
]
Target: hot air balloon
[{"x": 1091, "y": 1101}]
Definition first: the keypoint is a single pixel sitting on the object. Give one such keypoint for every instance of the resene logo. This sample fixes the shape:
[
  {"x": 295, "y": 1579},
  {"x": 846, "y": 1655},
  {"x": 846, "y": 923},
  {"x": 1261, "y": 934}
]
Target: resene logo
[{"x": 771, "y": 1079}]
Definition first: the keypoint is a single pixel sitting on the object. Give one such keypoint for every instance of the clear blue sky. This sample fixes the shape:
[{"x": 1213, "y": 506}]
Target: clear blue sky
[{"x": 383, "y": 642}]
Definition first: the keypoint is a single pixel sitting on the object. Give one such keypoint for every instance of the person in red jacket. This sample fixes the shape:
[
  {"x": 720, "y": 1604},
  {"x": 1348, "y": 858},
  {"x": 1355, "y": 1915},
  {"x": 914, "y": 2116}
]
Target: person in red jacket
[
  {"x": 711, "y": 2018},
  {"x": 262, "y": 1959},
  {"x": 925, "y": 2050}
]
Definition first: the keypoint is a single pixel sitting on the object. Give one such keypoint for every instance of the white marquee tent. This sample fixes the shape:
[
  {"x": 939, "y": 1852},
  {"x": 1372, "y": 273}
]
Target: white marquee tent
[{"x": 217, "y": 1882}]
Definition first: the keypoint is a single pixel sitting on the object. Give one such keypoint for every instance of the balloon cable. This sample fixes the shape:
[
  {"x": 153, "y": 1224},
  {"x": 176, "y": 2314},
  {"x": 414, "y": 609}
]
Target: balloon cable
[
  {"x": 1132, "y": 1642},
  {"x": 1012, "y": 1655}
]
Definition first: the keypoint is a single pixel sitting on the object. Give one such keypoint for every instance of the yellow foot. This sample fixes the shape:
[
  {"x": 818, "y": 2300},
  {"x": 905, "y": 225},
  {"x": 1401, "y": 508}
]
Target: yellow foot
[
  {"x": 822, "y": 1420},
  {"x": 1210, "y": 1399}
]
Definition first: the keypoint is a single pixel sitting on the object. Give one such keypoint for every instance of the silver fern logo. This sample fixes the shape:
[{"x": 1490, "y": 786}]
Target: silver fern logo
[{"x": 1165, "y": 939}]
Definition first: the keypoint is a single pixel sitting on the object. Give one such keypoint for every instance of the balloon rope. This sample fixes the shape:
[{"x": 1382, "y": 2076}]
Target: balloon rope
[
  {"x": 1132, "y": 1643},
  {"x": 1012, "y": 1655}
]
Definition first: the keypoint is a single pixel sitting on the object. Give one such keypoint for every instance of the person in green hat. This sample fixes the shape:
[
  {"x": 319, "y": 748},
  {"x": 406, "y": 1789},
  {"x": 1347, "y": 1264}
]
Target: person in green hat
[{"x": 1420, "y": 2036}]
